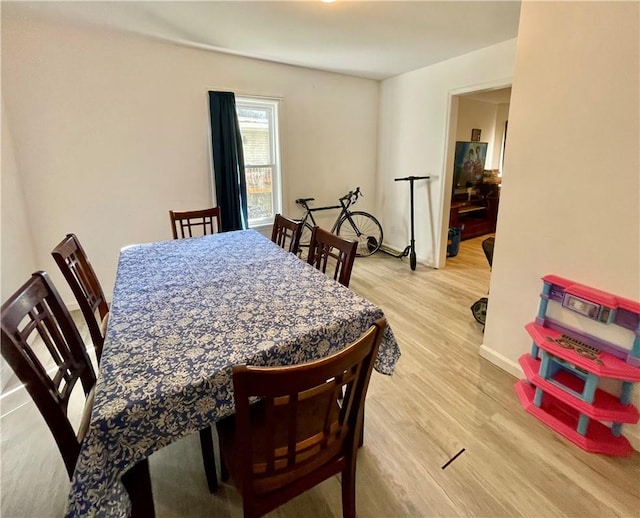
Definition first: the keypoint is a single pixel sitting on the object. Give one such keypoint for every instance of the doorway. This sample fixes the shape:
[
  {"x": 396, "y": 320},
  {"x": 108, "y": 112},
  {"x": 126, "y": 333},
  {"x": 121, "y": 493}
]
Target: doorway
[{"x": 473, "y": 173}]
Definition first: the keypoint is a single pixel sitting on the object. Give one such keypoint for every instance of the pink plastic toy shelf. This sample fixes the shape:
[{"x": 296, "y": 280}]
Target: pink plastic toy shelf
[{"x": 566, "y": 365}]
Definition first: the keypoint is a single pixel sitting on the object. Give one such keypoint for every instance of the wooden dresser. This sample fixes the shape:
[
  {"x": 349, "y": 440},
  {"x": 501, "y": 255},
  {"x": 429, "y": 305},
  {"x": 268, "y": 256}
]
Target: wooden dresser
[{"x": 476, "y": 216}]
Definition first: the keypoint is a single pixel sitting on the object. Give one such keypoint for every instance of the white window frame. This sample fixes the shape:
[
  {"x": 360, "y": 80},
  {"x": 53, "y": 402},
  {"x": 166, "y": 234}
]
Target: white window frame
[{"x": 272, "y": 106}]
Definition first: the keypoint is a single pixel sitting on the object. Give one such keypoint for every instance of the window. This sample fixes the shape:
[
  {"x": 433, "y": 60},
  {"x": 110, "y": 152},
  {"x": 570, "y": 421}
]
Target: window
[{"x": 258, "y": 119}]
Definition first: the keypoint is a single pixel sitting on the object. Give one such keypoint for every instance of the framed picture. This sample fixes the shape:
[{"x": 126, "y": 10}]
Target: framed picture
[
  {"x": 469, "y": 164},
  {"x": 475, "y": 135}
]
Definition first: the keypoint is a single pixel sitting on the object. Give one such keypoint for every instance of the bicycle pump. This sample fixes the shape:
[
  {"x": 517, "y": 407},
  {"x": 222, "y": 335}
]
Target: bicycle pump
[{"x": 411, "y": 249}]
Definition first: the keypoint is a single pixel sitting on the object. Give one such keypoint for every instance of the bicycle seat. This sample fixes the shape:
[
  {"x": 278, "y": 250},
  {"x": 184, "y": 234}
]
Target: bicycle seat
[{"x": 300, "y": 201}]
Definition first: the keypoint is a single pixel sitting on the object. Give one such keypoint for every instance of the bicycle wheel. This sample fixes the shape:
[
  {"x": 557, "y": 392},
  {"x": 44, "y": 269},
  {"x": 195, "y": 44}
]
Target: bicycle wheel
[
  {"x": 305, "y": 237},
  {"x": 363, "y": 228}
]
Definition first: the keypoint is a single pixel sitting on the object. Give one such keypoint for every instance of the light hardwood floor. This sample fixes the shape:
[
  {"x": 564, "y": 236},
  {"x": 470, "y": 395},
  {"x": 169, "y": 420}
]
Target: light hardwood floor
[{"x": 443, "y": 397}]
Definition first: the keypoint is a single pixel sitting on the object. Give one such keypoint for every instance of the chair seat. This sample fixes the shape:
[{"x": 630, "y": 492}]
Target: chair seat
[
  {"x": 86, "y": 415},
  {"x": 297, "y": 425},
  {"x": 103, "y": 324},
  {"x": 49, "y": 373},
  {"x": 35, "y": 314},
  {"x": 311, "y": 420}
]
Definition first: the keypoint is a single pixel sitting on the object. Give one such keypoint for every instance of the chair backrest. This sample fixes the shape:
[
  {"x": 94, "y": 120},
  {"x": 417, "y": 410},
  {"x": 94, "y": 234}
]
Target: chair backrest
[
  {"x": 77, "y": 270},
  {"x": 327, "y": 248},
  {"x": 42, "y": 346},
  {"x": 183, "y": 224},
  {"x": 307, "y": 422},
  {"x": 286, "y": 230}
]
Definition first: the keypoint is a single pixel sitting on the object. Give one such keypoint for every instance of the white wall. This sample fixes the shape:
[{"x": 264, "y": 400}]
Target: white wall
[
  {"x": 18, "y": 253},
  {"x": 502, "y": 116},
  {"x": 111, "y": 131},
  {"x": 413, "y": 139},
  {"x": 570, "y": 200},
  {"x": 17, "y": 256},
  {"x": 488, "y": 117},
  {"x": 477, "y": 114}
]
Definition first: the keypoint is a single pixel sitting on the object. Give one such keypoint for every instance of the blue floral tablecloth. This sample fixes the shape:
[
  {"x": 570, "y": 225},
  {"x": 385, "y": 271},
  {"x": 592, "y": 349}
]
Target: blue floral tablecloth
[{"x": 183, "y": 313}]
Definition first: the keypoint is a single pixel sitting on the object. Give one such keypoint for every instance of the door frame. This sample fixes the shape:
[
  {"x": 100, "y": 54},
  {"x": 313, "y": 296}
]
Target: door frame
[{"x": 449, "y": 153}]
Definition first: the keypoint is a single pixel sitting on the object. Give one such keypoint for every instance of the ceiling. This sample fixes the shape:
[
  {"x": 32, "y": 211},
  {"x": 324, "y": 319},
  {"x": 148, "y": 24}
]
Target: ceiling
[{"x": 371, "y": 39}]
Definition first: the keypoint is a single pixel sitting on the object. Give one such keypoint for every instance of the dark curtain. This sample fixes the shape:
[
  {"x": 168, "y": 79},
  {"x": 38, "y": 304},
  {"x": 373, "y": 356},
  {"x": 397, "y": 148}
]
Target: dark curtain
[{"x": 228, "y": 161}]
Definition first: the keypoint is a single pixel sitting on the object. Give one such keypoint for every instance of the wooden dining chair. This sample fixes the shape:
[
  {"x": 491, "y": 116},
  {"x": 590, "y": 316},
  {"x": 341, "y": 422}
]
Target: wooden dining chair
[
  {"x": 286, "y": 230},
  {"x": 184, "y": 223},
  {"x": 79, "y": 274},
  {"x": 42, "y": 345},
  {"x": 304, "y": 429},
  {"x": 327, "y": 248}
]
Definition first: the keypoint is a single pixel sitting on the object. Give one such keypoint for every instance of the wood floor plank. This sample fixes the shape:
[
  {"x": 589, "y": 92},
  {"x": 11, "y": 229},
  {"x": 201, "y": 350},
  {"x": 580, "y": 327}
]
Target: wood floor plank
[{"x": 443, "y": 397}]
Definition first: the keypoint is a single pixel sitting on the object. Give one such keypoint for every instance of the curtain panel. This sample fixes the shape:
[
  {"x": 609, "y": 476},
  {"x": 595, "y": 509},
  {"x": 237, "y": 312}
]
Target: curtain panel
[{"x": 228, "y": 161}]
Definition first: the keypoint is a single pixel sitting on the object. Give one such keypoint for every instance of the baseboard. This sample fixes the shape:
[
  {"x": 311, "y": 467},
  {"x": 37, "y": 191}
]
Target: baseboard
[
  {"x": 17, "y": 397},
  {"x": 501, "y": 361},
  {"x": 12, "y": 400},
  {"x": 633, "y": 438},
  {"x": 392, "y": 251},
  {"x": 72, "y": 306}
]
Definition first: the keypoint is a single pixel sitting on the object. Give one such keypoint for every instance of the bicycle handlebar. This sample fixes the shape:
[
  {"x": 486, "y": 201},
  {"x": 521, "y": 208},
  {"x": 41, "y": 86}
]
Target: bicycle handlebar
[
  {"x": 352, "y": 194},
  {"x": 409, "y": 178},
  {"x": 347, "y": 197}
]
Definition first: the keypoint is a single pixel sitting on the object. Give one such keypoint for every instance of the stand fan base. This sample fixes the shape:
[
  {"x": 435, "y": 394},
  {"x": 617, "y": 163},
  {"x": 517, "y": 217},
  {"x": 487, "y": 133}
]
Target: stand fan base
[{"x": 479, "y": 310}]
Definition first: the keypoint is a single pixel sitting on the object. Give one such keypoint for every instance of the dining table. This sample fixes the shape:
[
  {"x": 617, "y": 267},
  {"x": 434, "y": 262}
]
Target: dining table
[{"x": 183, "y": 313}]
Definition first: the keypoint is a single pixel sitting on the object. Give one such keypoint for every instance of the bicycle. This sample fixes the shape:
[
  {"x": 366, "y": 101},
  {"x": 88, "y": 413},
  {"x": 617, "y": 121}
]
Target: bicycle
[{"x": 357, "y": 226}]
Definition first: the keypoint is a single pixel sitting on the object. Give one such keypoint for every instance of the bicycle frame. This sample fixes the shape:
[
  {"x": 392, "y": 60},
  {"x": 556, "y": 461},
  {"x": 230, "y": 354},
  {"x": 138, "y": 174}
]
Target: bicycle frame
[
  {"x": 359, "y": 226},
  {"x": 308, "y": 215},
  {"x": 351, "y": 197}
]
